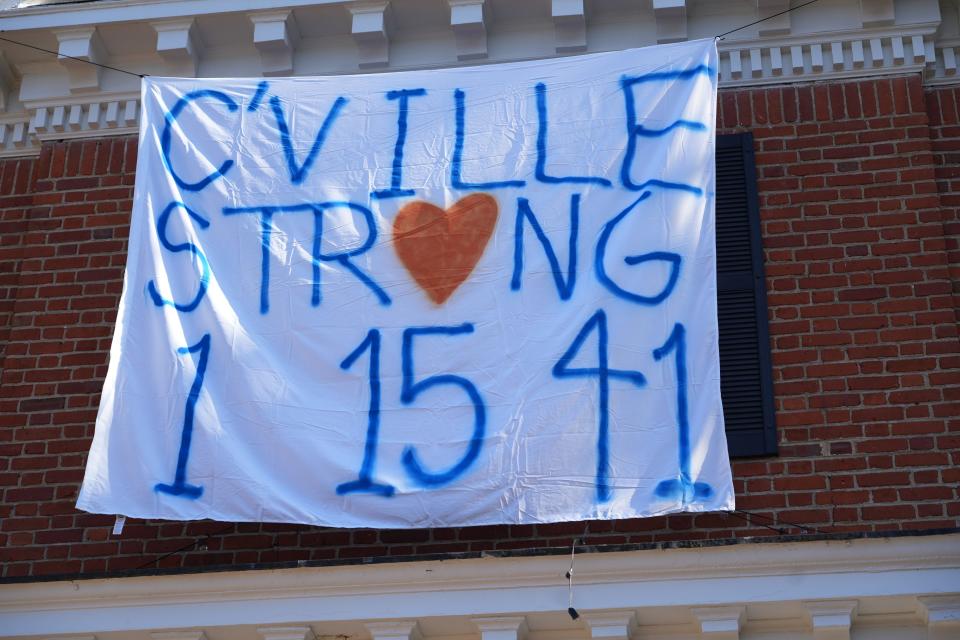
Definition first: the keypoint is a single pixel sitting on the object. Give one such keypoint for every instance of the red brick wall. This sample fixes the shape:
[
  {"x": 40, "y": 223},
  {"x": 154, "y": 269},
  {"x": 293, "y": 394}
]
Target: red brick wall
[
  {"x": 16, "y": 183},
  {"x": 865, "y": 350},
  {"x": 943, "y": 109},
  {"x": 862, "y": 317}
]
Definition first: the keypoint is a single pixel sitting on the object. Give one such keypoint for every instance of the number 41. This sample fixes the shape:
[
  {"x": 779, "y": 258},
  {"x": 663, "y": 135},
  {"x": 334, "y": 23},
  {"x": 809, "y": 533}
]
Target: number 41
[{"x": 681, "y": 488}]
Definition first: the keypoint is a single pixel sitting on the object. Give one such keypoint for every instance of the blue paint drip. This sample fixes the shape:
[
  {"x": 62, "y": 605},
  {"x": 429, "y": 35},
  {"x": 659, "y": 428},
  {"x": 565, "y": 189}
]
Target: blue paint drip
[
  {"x": 165, "y": 137},
  {"x": 635, "y": 130},
  {"x": 258, "y": 96},
  {"x": 456, "y": 165},
  {"x": 673, "y": 259},
  {"x": 409, "y": 392},
  {"x": 342, "y": 258},
  {"x": 395, "y": 190},
  {"x": 692, "y": 125},
  {"x": 541, "y": 171},
  {"x": 364, "y": 483},
  {"x": 299, "y": 173},
  {"x": 603, "y": 373},
  {"x": 682, "y": 488},
  {"x": 162, "y": 222},
  {"x": 564, "y": 286},
  {"x": 180, "y": 487}
]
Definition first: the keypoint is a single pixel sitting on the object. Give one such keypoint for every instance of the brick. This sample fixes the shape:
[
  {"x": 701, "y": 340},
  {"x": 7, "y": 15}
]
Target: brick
[
  {"x": 893, "y": 478},
  {"x": 889, "y": 512},
  {"x": 86, "y": 550},
  {"x": 859, "y": 223},
  {"x": 799, "y": 483},
  {"x": 41, "y": 404}
]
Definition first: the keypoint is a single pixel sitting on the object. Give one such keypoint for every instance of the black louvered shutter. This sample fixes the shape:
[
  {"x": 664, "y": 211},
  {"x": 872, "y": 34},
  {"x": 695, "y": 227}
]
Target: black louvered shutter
[{"x": 745, "y": 378}]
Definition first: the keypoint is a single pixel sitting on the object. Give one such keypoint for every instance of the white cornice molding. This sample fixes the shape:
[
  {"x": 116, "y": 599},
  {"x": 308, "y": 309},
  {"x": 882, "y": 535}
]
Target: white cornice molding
[
  {"x": 394, "y": 630},
  {"x": 671, "y": 20},
  {"x": 609, "y": 625},
  {"x": 275, "y": 35},
  {"x": 22, "y": 134},
  {"x": 501, "y": 628},
  {"x": 58, "y": 15},
  {"x": 178, "y": 43},
  {"x": 468, "y": 21},
  {"x": 779, "y": 25},
  {"x": 186, "y": 634},
  {"x": 940, "y": 612},
  {"x": 851, "y": 54},
  {"x": 369, "y": 28},
  {"x": 775, "y": 54},
  {"x": 7, "y": 82},
  {"x": 114, "y": 115},
  {"x": 945, "y": 68},
  {"x": 569, "y": 25},
  {"x": 720, "y": 623},
  {"x": 724, "y": 576},
  {"x": 877, "y": 12},
  {"x": 285, "y": 633},
  {"x": 81, "y": 53},
  {"x": 16, "y": 139},
  {"x": 831, "y": 620}
]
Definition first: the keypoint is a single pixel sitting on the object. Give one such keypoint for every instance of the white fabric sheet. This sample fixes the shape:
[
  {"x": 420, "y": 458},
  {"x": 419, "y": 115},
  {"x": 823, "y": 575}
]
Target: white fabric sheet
[{"x": 432, "y": 298}]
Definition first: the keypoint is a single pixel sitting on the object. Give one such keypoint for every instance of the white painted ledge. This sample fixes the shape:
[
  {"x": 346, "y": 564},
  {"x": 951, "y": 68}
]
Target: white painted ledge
[{"x": 773, "y": 577}]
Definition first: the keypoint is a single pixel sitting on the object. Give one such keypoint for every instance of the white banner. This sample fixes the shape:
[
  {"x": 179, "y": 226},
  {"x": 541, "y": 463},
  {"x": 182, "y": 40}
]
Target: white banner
[{"x": 433, "y": 298}]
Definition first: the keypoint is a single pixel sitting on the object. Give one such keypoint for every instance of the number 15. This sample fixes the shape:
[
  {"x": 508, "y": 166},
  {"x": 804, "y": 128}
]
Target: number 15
[{"x": 409, "y": 391}]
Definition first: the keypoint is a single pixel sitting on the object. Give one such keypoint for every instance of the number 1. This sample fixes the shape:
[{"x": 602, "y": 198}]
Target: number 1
[
  {"x": 364, "y": 484},
  {"x": 682, "y": 488},
  {"x": 180, "y": 486}
]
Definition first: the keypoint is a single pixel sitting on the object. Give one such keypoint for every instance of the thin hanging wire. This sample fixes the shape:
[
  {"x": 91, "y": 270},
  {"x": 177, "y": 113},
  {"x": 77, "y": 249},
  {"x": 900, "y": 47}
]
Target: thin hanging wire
[
  {"x": 62, "y": 55},
  {"x": 188, "y": 547},
  {"x": 799, "y": 6},
  {"x": 778, "y": 525}
]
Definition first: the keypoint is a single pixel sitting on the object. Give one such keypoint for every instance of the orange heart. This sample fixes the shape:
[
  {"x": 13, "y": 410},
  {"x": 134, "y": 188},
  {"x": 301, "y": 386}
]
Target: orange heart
[{"x": 440, "y": 247}]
